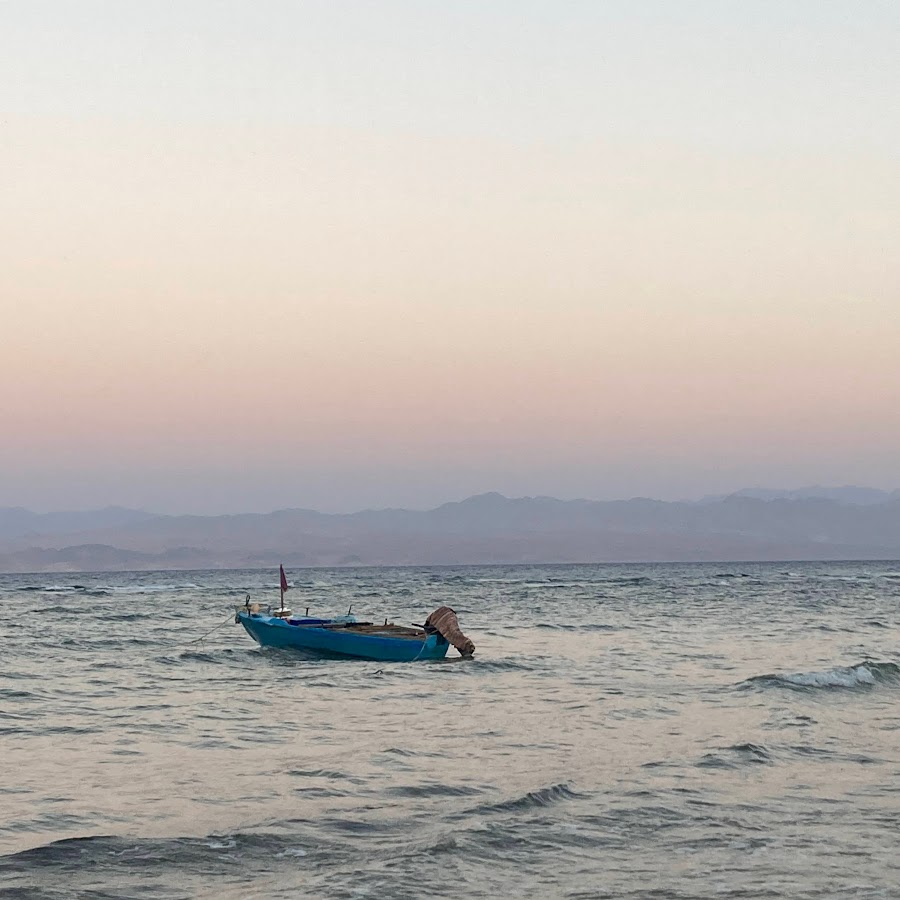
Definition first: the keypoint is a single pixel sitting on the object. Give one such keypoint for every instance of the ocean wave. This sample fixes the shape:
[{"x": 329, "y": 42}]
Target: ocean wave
[
  {"x": 332, "y": 774},
  {"x": 51, "y": 589},
  {"x": 58, "y": 609},
  {"x": 564, "y": 626},
  {"x": 140, "y": 589},
  {"x": 59, "y": 852},
  {"x": 736, "y": 756},
  {"x": 555, "y": 793},
  {"x": 863, "y": 675},
  {"x": 435, "y": 789},
  {"x": 121, "y": 852},
  {"x": 204, "y": 656},
  {"x": 551, "y": 585},
  {"x": 626, "y": 581},
  {"x": 103, "y": 590},
  {"x": 481, "y": 664}
]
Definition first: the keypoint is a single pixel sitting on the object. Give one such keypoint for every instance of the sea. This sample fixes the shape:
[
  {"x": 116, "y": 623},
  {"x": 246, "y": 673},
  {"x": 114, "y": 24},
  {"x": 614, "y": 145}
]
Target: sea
[{"x": 623, "y": 731}]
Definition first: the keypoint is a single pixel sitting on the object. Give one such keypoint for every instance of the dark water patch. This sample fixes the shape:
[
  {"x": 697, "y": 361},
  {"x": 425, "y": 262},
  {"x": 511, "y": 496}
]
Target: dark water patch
[
  {"x": 7, "y": 694},
  {"x": 403, "y": 752},
  {"x": 625, "y": 822},
  {"x": 434, "y": 789},
  {"x": 810, "y": 752},
  {"x": 116, "y": 614},
  {"x": 781, "y": 720},
  {"x": 200, "y": 656},
  {"x": 555, "y": 793},
  {"x": 116, "y": 642},
  {"x": 156, "y": 707},
  {"x": 35, "y": 893},
  {"x": 57, "y": 589},
  {"x": 453, "y": 580},
  {"x": 71, "y": 729},
  {"x": 323, "y": 792},
  {"x": 736, "y": 756},
  {"x": 221, "y": 655},
  {"x": 478, "y": 664},
  {"x": 590, "y": 626},
  {"x": 75, "y": 589},
  {"x": 8, "y": 730},
  {"x": 58, "y": 609},
  {"x": 108, "y": 853},
  {"x": 547, "y": 586},
  {"x": 629, "y": 581},
  {"x": 359, "y": 828}
]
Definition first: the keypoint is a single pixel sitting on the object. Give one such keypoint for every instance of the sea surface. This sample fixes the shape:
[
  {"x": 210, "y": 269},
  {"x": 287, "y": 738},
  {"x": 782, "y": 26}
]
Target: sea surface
[{"x": 659, "y": 731}]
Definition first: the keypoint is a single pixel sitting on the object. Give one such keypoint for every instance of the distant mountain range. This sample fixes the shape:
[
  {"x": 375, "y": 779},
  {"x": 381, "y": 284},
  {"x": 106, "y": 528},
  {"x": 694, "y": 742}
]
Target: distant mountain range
[
  {"x": 849, "y": 494},
  {"x": 18, "y": 522},
  {"x": 753, "y": 524}
]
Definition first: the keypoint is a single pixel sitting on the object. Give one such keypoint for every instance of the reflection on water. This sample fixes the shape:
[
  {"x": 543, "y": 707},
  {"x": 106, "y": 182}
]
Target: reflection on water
[{"x": 695, "y": 731}]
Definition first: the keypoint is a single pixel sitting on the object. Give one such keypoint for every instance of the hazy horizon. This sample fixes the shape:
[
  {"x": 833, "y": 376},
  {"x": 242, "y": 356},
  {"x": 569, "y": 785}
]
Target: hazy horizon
[
  {"x": 41, "y": 510},
  {"x": 367, "y": 255}
]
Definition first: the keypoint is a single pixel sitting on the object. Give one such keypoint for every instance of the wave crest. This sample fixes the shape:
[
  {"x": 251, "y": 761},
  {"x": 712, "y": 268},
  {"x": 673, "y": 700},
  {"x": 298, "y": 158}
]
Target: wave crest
[
  {"x": 533, "y": 800},
  {"x": 863, "y": 675}
]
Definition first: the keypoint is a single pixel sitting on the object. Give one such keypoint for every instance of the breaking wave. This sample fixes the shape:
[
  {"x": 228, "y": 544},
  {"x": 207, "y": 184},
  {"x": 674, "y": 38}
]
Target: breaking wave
[{"x": 866, "y": 674}]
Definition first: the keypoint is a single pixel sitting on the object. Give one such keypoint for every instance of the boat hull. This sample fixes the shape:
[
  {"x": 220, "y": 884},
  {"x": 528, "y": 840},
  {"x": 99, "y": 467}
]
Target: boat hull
[{"x": 271, "y": 631}]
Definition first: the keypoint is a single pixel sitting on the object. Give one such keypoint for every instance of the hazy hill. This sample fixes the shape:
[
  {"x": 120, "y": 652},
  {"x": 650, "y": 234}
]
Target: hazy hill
[
  {"x": 848, "y": 494},
  {"x": 486, "y": 528},
  {"x": 16, "y": 522}
]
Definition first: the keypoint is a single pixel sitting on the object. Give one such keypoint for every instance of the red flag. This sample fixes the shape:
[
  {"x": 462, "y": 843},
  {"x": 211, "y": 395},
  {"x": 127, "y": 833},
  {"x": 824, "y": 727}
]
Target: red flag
[{"x": 284, "y": 584}]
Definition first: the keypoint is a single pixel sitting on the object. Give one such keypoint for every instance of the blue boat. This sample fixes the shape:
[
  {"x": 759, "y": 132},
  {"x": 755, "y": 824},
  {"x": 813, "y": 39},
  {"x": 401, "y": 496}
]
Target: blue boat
[{"x": 336, "y": 638}]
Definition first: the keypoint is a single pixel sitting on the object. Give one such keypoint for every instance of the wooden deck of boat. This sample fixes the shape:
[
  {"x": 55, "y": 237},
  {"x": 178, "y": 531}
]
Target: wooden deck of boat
[{"x": 387, "y": 630}]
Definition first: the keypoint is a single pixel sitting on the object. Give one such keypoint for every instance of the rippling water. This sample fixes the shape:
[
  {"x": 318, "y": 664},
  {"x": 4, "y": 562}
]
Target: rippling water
[{"x": 623, "y": 731}]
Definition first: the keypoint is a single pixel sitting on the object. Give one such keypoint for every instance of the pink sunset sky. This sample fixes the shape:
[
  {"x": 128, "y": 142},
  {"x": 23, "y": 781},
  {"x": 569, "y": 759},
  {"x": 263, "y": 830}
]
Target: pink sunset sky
[{"x": 392, "y": 254}]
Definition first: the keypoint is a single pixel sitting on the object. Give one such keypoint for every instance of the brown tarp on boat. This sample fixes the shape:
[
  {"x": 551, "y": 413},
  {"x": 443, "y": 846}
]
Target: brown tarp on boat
[{"x": 444, "y": 620}]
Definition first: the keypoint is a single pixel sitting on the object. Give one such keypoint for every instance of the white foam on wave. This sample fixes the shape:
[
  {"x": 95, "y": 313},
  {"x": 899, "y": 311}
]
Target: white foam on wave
[
  {"x": 228, "y": 844},
  {"x": 839, "y": 677}
]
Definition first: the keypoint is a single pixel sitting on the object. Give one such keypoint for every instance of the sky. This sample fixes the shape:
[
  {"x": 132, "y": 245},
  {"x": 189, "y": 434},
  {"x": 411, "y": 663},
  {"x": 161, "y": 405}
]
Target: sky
[{"x": 343, "y": 255}]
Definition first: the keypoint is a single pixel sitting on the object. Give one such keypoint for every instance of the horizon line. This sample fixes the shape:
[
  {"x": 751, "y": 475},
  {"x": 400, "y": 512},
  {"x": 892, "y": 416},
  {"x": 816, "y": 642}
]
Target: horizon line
[{"x": 889, "y": 493}]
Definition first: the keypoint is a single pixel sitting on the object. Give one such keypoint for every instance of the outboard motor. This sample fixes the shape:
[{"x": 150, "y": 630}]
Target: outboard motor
[{"x": 443, "y": 621}]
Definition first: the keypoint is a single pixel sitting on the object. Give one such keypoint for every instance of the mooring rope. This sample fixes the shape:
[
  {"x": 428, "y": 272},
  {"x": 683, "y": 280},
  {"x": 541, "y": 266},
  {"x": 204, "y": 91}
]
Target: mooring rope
[{"x": 211, "y": 630}]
